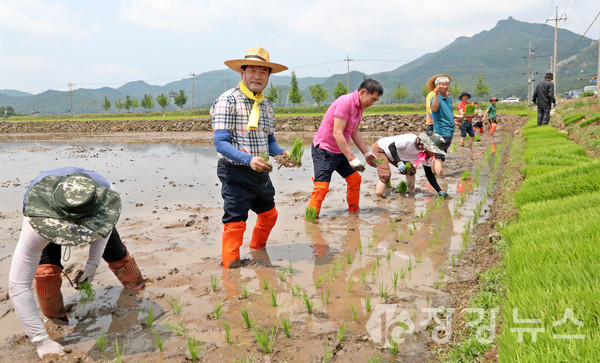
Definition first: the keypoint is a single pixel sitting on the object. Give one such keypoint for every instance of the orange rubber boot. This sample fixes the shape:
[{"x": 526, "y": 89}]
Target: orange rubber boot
[
  {"x": 128, "y": 272},
  {"x": 353, "y": 191},
  {"x": 492, "y": 129},
  {"x": 318, "y": 195},
  {"x": 233, "y": 237},
  {"x": 264, "y": 225},
  {"x": 47, "y": 287}
]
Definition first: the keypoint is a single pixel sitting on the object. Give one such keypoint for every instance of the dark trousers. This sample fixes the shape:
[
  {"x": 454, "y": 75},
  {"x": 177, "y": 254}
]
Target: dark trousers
[
  {"x": 326, "y": 162},
  {"x": 543, "y": 116},
  {"x": 115, "y": 250},
  {"x": 244, "y": 189}
]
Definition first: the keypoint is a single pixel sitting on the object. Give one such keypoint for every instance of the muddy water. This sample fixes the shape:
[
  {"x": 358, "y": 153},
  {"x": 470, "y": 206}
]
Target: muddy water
[{"x": 171, "y": 222}]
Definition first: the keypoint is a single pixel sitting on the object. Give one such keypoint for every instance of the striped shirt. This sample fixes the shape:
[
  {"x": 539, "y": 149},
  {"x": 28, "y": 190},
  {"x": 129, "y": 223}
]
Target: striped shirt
[{"x": 231, "y": 112}]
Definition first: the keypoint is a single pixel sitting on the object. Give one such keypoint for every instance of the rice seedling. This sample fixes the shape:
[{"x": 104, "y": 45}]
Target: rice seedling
[
  {"x": 297, "y": 150},
  {"x": 310, "y": 214},
  {"x": 86, "y": 292},
  {"x": 375, "y": 234},
  {"x": 393, "y": 348},
  {"x": 373, "y": 270},
  {"x": 264, "y": 155},
  {"x": 287, "y": 326},
  {"x": 332, "y": 273},
  {"x": 389, "y": 255},
  {"x": 101, "y": 341},
  {"x": 402, "y": 272},
  {"x": 295, "y": 290},
  {"x": 265, "y": 339},
  {"x": 452, "y": 262},
  {"x": 363, "y": 276},
  {"x": 244, "y": 359},
  {"x": 248, "y": 321},
  {"x": 218, "y": 309},
  {"x": 377, "y": 261},
  {"x": 368, "y": 303},
  {"x": 175, "y": 304},
  {"x": 227, "y": 331},
  {"x": 401, "y": 188},
  {"x": 370, "y": 243},
  {"x": 265, "y": 284},
  {"x": 273, "y": 298},
  {"x": 383, "y": 290},
  {"x": 456, "y": 206},
  {"x": 194, "y": 348},
  {"x": 149, "y": 316},
  {"x": 354, "y": 312},
  {"x": 395, "y": 278},
  {"x": 360, "y": 248},
  {"x": 441, "y": 272},
  {"x": 325, "y": 296},
  {"x": 410, "y": 266},
  {"x": 290, "y": 268},
  {"x": 159, "y": 341},
  {"x": 349, "y": 258},
  {"x": 414, "y": 224},
  {"x": 320, "y": 280},
  {"x": 393, "y": 224},
  {"x": 120, "y": 352},
  {"x": 179, "y": 330},
  {"x": 310, "y": 305},
  {"x": 453, "y": 147},
  {"x": 245, "y": 291},
  {"x": 341, "y": 333},
  {"x": 465, "y": 175},
  {"x": 214, "y": 282},
  {"x": 350, "y": 284},
  {"x": 463, "y": 195},
  {"x": 327, "y": 354},
  {"x": 410, "y": 231},
  {"x": 339, "y": 265},
  {"x": 282, "y": 276},
  {"x": 419, "y": 259}
]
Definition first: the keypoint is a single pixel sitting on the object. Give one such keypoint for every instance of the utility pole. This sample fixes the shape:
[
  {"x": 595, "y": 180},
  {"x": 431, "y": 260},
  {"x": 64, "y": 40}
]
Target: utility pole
[
  {"x": 348, "y": 60},
  {"x": 531, "y": 52},
  {"x": 598, "y": 74},
  {"x": 70, "y": 84},
  {"x": 193, "y": 78},
  {"x": 556, "y": 20}
]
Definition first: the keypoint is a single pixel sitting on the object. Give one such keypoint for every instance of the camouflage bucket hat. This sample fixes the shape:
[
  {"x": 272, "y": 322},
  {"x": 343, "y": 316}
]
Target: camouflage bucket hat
[
  {"x": 72, "y": 210},
  {"x": 433, "y": 143}
]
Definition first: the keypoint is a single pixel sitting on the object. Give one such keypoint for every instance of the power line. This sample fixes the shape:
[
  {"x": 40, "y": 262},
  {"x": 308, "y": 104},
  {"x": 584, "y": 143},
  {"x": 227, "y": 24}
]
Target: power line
[{"x": 583, "y": 35}]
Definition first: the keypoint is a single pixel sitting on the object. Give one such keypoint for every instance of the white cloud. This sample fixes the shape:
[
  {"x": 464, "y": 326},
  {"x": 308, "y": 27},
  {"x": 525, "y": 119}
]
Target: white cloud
[{"x": 42, "y": 19}]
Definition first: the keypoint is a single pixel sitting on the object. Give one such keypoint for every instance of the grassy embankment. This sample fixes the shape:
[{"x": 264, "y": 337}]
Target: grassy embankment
[
  {"x": 402, "y": 109},
  {"x": 548, "y": 283}
]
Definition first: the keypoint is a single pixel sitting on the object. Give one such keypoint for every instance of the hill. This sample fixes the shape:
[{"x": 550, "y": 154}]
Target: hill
[{"x": 499, "y": 54}]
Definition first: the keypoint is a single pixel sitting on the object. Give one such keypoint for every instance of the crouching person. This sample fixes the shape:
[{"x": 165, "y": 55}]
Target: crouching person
[
  {"x": 401, "y": 149},
  {"x": 64, "y": 207}
]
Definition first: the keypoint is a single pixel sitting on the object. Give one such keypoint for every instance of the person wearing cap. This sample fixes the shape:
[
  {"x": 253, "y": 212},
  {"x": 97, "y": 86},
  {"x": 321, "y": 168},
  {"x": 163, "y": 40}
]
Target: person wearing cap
[
  {"x": 444, "y": 120},
  {"x": 244, "y": 123},
  {"x": 543, "y": 96},
  {"x": 466, "y": 126},
  {"x": 331, "y": 151},
  {"x": 490, "y": 115},
  {"x": 64, "y": 207},
  {"x": 478, "y": 118},
  {"x": 399, "y": 149}
]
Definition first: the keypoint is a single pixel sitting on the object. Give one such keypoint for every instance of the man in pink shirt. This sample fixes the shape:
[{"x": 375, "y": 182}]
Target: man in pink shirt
[{"x": 330, "y": 149}]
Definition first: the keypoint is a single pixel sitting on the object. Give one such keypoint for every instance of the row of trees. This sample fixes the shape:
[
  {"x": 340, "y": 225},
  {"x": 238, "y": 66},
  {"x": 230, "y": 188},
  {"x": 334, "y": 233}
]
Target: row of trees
[{"x": 147, "y": 102}]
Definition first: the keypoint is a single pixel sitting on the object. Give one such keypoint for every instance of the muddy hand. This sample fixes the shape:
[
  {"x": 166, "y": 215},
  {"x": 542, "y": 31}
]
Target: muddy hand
[
  {"x": 261, "y": 165},
  {"x": 357, "y": 165}
]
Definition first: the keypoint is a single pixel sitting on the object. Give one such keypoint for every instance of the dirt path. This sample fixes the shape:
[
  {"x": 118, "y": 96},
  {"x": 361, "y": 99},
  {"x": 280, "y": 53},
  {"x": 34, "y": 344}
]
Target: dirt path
[{"x": 171, "y": 222}]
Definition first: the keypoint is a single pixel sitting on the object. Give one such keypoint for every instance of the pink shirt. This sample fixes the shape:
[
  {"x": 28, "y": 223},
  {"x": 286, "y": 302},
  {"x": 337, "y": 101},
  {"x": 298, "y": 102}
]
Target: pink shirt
[{"x": 346, "y": 107}]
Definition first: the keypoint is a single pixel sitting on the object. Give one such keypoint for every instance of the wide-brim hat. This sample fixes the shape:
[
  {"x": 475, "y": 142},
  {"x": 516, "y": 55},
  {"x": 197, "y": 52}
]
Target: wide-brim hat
[
  {"x": 72, "y": 210},
  {"x": 431, "y": 81},
  {"x": 433, "y": 143},
  {"x": 256, "y": 56},
  {"x": 464, "y": 93},
  {"x": 549, "y": 75}
]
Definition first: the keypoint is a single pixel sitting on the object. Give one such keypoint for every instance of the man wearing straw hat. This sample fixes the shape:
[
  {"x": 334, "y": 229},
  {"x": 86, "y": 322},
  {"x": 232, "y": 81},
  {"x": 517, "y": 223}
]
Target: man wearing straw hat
[
  {"x": 399, "y": 149},
  {"x": 244, "y": 124},
  {"x": 64, "y": 207},
  {"x": 442, "y": 115}
]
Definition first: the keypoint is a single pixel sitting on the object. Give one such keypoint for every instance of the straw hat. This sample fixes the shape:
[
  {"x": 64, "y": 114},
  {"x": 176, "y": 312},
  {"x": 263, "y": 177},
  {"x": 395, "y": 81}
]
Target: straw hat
[
  {"x": 433, "y": 143},
  {"x": 256, "y": 56},
  {"x": 72, "y": 210},
  {"x": 431, "y": 81}
]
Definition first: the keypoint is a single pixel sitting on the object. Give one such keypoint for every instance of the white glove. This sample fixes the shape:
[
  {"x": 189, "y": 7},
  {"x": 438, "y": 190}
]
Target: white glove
[
  {"x": 357, "y": 165},
  {"x": 48, "y": 346},
  {"x": 88, "y": 273}
]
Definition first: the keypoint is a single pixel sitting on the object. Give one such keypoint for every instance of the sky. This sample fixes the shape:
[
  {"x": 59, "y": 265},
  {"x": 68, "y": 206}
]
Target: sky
[{"x": 92, "y": 44}]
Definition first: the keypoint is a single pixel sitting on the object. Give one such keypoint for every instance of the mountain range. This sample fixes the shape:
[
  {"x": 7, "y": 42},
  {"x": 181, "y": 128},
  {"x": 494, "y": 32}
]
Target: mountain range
[{"x": 499, "y": 55}]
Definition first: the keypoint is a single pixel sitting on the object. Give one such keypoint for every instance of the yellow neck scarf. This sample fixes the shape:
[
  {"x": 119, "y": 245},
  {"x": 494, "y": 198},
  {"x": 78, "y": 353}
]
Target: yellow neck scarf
[{"x": 255, "y": 113}]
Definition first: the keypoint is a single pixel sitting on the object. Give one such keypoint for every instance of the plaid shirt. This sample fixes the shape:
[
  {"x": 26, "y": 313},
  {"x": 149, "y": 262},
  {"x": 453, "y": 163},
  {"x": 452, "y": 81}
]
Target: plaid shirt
[{"x": 231, "y": 112}]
